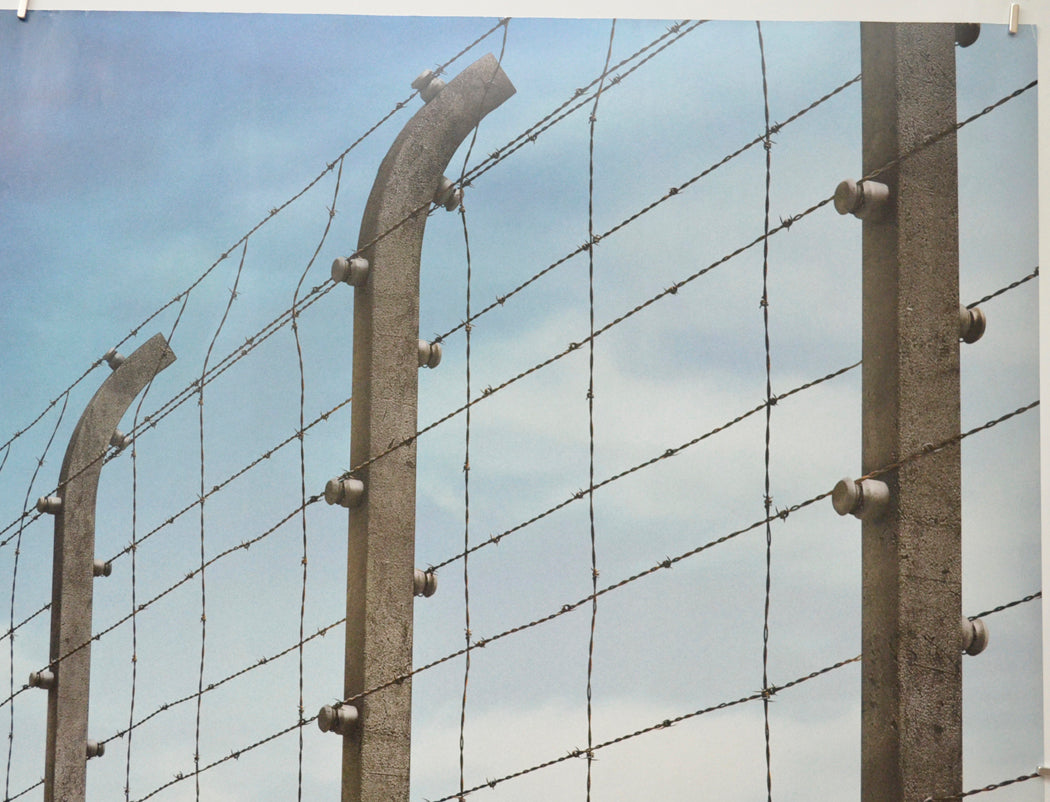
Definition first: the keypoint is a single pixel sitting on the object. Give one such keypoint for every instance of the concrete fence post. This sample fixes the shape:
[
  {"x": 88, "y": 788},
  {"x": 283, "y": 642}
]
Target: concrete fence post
[
  {"x": 381, "y": 496},
  {"x": 912, "y": 676},
  {"x": 67, "y": 678}
]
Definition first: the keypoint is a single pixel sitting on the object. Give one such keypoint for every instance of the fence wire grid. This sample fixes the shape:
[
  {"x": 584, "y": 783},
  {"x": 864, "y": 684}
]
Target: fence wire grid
[{"x": 650, "y": 320}]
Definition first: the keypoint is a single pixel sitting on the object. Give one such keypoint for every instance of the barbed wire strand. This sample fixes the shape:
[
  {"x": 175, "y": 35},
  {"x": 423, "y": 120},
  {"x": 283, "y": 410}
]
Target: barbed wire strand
[
  {"x": 134, "y": 542},
  {"x": 1007, "y": 288},
  {"x": 1031, "y": 597},
  {"x": 302, "y": 458},
  {"x": 671, "y": 193},
  {"x": 662, "y": 725},
  {"x": 992, "y": 787},
  {"x": 201, "y": 508},
  {"x": 767, "y": 495},
  {"x": 24, "y": 791},
  {"x": 272, "y": 213},
  {"x": 665, "y": 564},
  {"x": 590, "y": 409},
  {"x": 495, "y": 540},
  {"x": 785, "y": 225},
  {"x": 467, "y": 422},
  {"x": 14, "y": 586}
]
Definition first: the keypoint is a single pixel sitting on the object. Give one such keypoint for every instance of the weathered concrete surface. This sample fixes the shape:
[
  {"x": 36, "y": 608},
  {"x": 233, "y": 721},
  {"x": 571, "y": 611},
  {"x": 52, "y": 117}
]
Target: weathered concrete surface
[
  {"x": 73, "y": 579},
  {"x": 912, "y": 684},
  {"x": 381, "y": 559}
]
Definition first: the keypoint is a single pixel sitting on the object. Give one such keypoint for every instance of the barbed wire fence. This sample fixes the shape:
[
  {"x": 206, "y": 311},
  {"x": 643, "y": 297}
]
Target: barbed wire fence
[{"x": 666, "y": 465}]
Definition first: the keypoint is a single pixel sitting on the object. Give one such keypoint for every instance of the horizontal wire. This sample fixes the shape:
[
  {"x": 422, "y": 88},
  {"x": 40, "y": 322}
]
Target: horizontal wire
[
  {"x": 24, "y": 791},
  {"x": 273, "y": 213},
  {"x": 781, "y": 514},
  {"x": 975, "y": 791},
  {"x": 662, "y": 725},
  {"x": 245, "y": 545},
  {"x": 232, "y": 756},
  {"x": 673, "y": 192},
  {"x": 581, "y": 98},
  {"x": 1007, "y": 288},
  {"x": 785, "y": 224},
  {"x": 296, "y": 435},
  {"x": 668, "y": 453},
  {"x": 667, "y": 563},
  {"x": 196, "y": 502},
  {"x": 214, "y": 685},
  {"x": 1031, "y": 597}
]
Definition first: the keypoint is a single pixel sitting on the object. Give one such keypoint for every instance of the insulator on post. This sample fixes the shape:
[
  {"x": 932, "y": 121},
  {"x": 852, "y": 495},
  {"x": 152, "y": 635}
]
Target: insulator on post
[
  {"x": 974, "y": 636},
  {"x": 428, "y": 85},
  {"x": 114, "y": 358},
  {"x": 119, "y": 440},
  {"x": 424, "y": 583},
  {"x": 352, "y": 271},
  {"x": 344, "y": 492},
  {"x": 972, "y": 324},
  {"x": 865, "y": 499},
  {"x": 429, "y": 354},
  {"x": 864, "y": 199},
  {"x": 52, "y": 505},
  {"x": 42, "y": 679},
  {"x": 101, "y": 568},
  {"x": 95, "y": 749},
  {"x": 339, "y": 719}
]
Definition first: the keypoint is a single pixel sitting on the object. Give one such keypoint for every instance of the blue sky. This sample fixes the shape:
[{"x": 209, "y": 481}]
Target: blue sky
[{"x": 137, "y": 148}]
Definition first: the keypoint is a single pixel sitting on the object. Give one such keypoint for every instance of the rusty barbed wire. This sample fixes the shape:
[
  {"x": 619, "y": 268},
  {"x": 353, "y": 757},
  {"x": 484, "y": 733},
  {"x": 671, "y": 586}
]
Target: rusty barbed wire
[
  {"x": 590, "y": 413},
  {"x": 244, "y": 545},
  {"x": 661, "y": 725},
  {"x": 785, "y": 224},
  {"x": 272, "y": 213},
  {"x": 263, "y": 661},
  {"x": 14, "y": 586},
  {"x": 1031, "y": 597},
  {"x": 672, "y": 192},
  {"x": 666, "y": 454},
  {"x": 24, "y": 791},
  {"x": 975, "y": 791},
  {"x": 768, "y": 493},
  {"x": 1012, "y": 286}
]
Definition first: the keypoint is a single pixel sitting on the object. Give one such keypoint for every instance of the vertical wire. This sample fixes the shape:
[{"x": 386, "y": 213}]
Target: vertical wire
[
  {"x": 466, "y": 517},
  {"x": 302, "y": 460},
  {"x": 767, "y": 498},
  {"x": 134, "y": 550},
  {"x": 14, "y": 585},
  {"x": 590, "y": 407},
  {"x": 468, "y": 327},
  {"x": 204, "y": 598}
]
